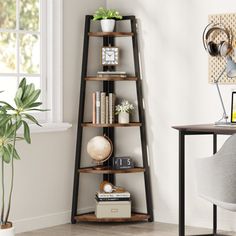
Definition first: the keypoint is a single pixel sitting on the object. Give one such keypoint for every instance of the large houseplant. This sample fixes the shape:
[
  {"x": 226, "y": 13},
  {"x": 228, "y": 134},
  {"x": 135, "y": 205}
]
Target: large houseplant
[
  {"x": 107, "y": 17},
  {"x": 12, "y": 118}
]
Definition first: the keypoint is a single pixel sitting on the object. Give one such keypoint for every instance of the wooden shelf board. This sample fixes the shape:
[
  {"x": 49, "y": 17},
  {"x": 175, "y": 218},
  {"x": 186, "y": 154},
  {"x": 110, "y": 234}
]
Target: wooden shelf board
[
  {"x": 113, "y": 34},
  {"x": 95, "y": 78},
  {"x": 91, "y": 170},
  {"x": 90, "y": 217},
  {"x": 89, "y": 124}
]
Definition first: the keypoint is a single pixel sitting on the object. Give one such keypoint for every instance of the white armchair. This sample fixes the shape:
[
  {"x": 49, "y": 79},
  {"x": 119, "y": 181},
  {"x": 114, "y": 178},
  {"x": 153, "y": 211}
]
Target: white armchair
[{"x": 216, "y": 176}]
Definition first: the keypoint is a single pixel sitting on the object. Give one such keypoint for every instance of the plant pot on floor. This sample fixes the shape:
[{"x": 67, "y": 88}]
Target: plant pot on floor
[
  {"x": 108, "y": 25},
  {"x": 123, "y": 118},
  {"x": 7, "y": 230}
]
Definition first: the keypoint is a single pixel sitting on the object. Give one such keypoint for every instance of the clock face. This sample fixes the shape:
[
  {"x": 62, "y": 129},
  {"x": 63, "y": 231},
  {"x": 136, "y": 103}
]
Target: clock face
[{"x": 110, "y": 56}]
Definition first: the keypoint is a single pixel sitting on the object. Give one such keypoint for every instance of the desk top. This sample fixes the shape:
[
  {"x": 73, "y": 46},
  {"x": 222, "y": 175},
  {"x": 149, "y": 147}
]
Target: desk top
[{"x": 207, "y": 129}]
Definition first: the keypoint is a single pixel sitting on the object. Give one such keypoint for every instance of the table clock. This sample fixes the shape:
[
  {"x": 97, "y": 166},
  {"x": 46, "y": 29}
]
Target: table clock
[{"x": 122, "y": 163}]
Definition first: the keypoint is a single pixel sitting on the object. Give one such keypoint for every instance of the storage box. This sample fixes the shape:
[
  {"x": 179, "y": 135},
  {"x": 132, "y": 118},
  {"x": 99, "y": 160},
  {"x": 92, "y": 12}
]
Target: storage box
[{"x": 113, "y": 209}]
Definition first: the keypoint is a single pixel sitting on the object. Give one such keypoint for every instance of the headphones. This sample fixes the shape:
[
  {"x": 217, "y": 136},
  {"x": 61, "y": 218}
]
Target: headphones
[
  {"x": 217, "y": 49},
  {"x": 107, "y": 187}
]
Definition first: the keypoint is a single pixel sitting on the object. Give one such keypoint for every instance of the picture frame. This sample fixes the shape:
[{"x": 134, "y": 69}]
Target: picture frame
[{"x": 233, "y": 108}]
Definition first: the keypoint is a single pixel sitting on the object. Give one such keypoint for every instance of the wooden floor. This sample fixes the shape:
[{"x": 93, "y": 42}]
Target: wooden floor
[{"x": 134, "y": 229}]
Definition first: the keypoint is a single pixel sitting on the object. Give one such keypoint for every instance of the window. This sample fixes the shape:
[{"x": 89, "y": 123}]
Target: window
[
  {"x": 22, "y": 46},
  {"x": 31, "y": 47}
]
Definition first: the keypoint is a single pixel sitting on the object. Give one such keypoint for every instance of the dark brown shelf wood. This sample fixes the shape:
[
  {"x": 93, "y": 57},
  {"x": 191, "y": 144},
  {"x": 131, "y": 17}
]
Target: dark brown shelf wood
[
  {"x": 91, "y": 125},
  {"x": 95, "y": 78},
  {"x": 91, "y": 170},
  {"x": 113, "y": 34},
  {"x": 90, "y": 217}
]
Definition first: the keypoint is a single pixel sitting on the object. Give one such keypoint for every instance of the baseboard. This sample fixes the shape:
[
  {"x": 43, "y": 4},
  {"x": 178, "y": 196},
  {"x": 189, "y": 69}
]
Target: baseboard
[{"x": 45, "y": 221}]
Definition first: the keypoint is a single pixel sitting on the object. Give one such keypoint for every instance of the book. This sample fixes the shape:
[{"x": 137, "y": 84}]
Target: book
[
  {"x": 112, "y": 199},
  {"x": 113, "y": 195},
  {"x": 98, "y": 107},
  {"x": 111, "y": 73},
  {"x": 94, "y": 108},
  {"x": 103, "y": 108},
  {"x": 111, "y": 108},
  {"x": 106, "y": 109}
]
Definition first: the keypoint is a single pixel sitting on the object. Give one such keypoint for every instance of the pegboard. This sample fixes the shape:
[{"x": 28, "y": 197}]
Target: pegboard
[{"x": 217, "y": 64}]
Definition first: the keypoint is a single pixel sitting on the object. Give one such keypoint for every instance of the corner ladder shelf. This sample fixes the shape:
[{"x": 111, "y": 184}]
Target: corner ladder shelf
[{"x": 108, "y": 129}]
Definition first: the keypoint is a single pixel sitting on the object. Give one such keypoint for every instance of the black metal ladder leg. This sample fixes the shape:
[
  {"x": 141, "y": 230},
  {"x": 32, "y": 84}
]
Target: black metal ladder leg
[
  {"x": 181, "y": 183},
  {"x": 147, "y": 179},
  {"x": 214, "y": 206},
  {"x": 80, "y": 119}
]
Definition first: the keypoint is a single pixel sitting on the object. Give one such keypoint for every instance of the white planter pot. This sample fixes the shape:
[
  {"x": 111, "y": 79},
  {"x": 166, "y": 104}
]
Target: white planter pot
[
  {"x": 108, "y": 25},
  {"x": 123, "y": 118},
  {"x": 7, "y": 232}
]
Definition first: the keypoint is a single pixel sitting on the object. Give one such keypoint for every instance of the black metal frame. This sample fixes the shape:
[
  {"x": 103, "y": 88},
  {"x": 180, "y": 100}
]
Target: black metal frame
[
  {"x": 109, "y": 86},
  {"x": 182, "y": 135}
]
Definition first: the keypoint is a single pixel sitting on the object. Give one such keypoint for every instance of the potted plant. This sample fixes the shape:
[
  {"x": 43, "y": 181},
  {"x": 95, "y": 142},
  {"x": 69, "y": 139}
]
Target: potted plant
[
  {"x": 12, "y": 118},
  {"x": 123, "y": 110},
  {"x": 107, "y": 17}
]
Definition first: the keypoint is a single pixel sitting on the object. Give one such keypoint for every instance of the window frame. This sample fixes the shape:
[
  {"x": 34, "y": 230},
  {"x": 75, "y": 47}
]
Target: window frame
[{"x": 51, "y": 66}]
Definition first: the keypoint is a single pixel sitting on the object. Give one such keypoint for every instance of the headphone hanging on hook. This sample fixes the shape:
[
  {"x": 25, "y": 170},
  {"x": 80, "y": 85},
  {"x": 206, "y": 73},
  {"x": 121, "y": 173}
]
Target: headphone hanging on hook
[{"x": 213, "y": 48}]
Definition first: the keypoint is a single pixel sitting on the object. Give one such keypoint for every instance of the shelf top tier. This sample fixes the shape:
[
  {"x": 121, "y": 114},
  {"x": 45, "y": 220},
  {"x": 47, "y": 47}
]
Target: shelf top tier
[
  {"x": 111, "y": 34},
  {"x": 95, "y": 78},
  {"x": 131, "y": 124}
]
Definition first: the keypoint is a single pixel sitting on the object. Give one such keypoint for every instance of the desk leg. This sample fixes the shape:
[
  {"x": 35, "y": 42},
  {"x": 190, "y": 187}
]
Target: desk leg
[
  {"x": 214, "y": 206},
  {"x": 181, "y": 183}
]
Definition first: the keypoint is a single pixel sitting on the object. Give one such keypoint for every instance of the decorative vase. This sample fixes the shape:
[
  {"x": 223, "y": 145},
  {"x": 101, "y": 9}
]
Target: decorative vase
[
  {"x": 7, "y": 232},
  {"x": 108, "y": 25},
  {"x": 123, "y": 118}
]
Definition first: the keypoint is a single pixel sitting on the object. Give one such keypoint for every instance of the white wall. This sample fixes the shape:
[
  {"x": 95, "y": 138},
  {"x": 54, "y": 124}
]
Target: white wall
[
  {"x": 44, "y": 176},
  {"x": 176, "y": 91}
]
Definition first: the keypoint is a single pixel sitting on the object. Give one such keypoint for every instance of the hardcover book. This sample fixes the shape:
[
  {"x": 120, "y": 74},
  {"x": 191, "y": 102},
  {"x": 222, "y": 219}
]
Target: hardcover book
[
  {"x": 98, "y": 107},
  {"x": 103, "y": 108}
]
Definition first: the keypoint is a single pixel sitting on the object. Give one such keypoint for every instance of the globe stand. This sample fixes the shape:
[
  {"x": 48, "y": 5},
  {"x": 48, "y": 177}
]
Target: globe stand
[{"x": 99, "y": 165}]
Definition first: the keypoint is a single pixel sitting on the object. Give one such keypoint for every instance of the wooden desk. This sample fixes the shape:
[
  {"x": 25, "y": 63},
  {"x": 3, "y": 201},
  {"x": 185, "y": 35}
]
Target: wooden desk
[{"x": 205, "y": 129}]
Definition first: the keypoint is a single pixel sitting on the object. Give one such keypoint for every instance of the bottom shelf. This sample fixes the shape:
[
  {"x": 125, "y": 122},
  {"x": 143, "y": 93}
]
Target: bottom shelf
[{"x": 90, "y": 217}]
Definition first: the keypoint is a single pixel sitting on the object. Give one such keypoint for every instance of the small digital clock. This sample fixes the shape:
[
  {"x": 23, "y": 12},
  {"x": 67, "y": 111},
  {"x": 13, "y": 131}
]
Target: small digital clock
[{"x": 122, "y": 163}]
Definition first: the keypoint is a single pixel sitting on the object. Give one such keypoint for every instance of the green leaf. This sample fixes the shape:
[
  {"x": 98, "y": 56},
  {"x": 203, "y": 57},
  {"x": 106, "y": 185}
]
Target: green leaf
[
  {"x": 32, "y": 98},
  {"x": 6, "y": 155},
  {"x": 35, "y": 104},
  {"x": 28, "y": 91},
  {"x": 38, "y": 109},
  {"x": 26, "y": 132},
  {"x": 22, "y": 83},
  {"x": 18, "y": 97},
  {"x": 31, "y": 118},
  {"x": 7, "y": 105},
  {"x": 15, "y": 154}
]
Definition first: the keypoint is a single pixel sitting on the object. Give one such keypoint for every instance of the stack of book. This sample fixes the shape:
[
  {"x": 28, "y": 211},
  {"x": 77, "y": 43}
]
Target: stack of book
[
  {"x": 103, "y": 108},
  {"x": 113, "y": 205},
  {"x": 105, "y": 74},
  {"x": 101, "y": 196}
]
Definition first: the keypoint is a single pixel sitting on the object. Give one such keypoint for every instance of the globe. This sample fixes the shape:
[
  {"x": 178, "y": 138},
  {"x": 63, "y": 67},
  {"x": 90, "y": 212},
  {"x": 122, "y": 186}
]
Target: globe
[{"x": 99, "y": 148}]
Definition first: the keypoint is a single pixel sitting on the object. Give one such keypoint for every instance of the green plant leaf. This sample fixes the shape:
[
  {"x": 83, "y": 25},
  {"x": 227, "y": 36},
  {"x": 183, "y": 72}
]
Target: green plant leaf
[
  {"x": 6, "y": 155},
  {"x": 28, "y": 91},
  {"x": 35, "y": 109},
  {"x": 22, "y": 83},
  {"x": 16, "y": 155},
  {"x": 26, "y": 132},
  {"x": 35, "y": 104},
  {"x": 32, "y": 98},
  {"x": 31, "y": 118},
  {"x": 7, "y": 105}
]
